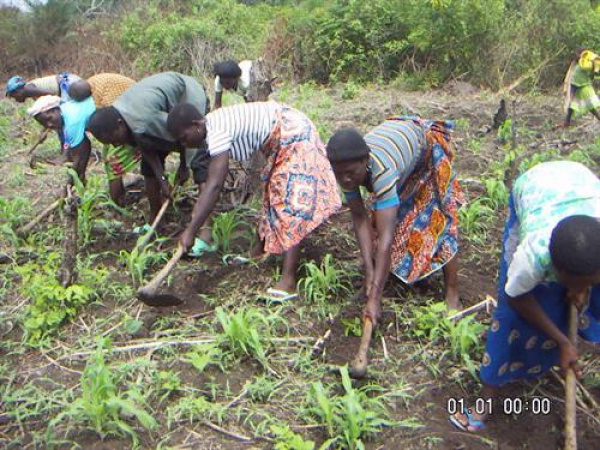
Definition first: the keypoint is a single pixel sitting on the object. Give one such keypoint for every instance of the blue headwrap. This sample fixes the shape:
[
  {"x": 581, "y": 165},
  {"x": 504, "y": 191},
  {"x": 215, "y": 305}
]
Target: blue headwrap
[{"x": 14, "y": 84}]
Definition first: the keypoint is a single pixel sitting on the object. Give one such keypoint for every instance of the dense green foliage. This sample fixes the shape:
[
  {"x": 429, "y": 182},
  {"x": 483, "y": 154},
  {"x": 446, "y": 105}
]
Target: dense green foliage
[{"x": 489, "y": 42}]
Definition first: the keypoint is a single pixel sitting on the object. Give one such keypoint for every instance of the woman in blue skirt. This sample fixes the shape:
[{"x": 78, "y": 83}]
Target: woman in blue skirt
[{"x": 550, "y": 257}]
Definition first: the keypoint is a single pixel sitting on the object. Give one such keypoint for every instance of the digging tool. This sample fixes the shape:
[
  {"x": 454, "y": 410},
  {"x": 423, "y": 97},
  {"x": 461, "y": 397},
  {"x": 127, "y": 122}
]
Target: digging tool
[
  {"x": 571, "y": 388},
  {"x": 30, "y": 153},
  {"x": 358, "y": 369},
  {"x": 148, "y": 293},
  {"x": 146, "y": 238}
]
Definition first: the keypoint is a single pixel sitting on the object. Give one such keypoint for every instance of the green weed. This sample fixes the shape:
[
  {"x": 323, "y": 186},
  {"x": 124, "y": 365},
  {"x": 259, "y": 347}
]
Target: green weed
[
  {"x": 167, "y": 383},
  {"x": 193, "y": 408},
  {"x": 286, "y": 439},
  {"x": 203, "y": 356},
  {"x": 52, "y": 304},
  {"x": 261, "y": 389},
  {"x": 352, "y": 326},
  {"x": 102, "y": 406},
  {"x": 475, "y": 217},
  {"x": 432, "y": 323}
]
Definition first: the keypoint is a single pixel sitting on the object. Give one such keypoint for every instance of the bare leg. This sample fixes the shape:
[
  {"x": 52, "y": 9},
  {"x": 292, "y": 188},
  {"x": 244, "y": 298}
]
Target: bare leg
[
  {"x": 258, "y": 249},
  {"x": 291, "y": 259},
  {"x": 568, "y": 118},
  {"x": 117, "y": 190},
  {"x": 154, "y": 196},
  {"x": 451, "y": 284}
]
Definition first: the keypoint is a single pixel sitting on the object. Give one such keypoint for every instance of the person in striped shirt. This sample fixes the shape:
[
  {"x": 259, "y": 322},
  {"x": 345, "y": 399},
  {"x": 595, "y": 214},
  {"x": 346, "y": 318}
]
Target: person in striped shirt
[
  {"x": 300, "y": 191},
  {"x": 406, "y": 163}
]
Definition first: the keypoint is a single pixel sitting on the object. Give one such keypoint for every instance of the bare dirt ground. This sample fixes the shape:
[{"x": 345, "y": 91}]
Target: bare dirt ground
[{"x": 419, "y": 376}]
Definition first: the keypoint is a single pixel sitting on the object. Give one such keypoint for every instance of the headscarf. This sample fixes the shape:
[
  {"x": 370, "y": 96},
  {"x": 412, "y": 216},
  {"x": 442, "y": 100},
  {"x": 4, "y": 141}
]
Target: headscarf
[
  {"x": 14, "y": 84},
  {"x": 43, "y": 104}
]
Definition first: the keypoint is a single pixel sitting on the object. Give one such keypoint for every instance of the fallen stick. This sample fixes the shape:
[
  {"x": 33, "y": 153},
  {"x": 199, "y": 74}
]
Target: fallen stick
[
  {"x": 148, "y": 293},
  {"x": 571, "y": 388},
  {"x": 358, "y": 369},
  {"x": 482, "y": 304},
  {"x": 41, "y": 216}
]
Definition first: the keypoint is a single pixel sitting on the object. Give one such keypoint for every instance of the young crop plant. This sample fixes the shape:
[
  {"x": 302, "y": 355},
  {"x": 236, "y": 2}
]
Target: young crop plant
[
  {"x": 261, "y": 389},
  {"x": 246, "y": 332},
  {"x": 475, "y": 217},
  {"x": 351, "y": 418},
  {"x": 224, "y": 228},
  {"x": 102, "y": 405},
  {"x": 138, "y": 260},
  {"x": 322, "y": 281}
]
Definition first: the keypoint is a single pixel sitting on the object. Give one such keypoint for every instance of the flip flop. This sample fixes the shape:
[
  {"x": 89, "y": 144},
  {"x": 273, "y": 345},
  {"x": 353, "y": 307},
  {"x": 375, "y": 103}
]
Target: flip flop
[
  {"x": 274, "y": 296},
  {"x": 472, "y": 423},
  {"x": 200, "y": 248},
  {"x": 235, "y": 260}
]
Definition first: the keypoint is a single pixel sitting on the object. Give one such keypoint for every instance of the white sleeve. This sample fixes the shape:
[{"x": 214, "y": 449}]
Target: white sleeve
[
  {"x": 218, "y": 141},
  {"x": 522, "y": 275},
  {"x": 218, "y": 87}
]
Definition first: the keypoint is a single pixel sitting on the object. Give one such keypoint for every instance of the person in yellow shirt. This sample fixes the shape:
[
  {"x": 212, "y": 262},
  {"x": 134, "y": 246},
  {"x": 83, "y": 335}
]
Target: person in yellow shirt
[{"x": 580, "y": 97}]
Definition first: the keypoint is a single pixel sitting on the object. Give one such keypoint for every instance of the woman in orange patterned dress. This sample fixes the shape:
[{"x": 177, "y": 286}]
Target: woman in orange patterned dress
[{"x": 406, "y": 163}]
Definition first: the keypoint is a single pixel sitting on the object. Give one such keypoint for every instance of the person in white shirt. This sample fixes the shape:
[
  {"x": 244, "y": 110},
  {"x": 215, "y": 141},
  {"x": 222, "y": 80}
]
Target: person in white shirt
[{"x": 234, "y": 77}]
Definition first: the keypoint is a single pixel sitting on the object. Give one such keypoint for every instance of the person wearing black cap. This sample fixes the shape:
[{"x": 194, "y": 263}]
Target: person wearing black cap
[{"x": 406, "y": 163}]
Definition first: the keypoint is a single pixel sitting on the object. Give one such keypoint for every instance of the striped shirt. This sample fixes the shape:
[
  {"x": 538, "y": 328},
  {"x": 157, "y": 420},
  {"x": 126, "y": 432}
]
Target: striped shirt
[
  {"x": 395, "y": 149},
  {"x": 240, "y": 129}
]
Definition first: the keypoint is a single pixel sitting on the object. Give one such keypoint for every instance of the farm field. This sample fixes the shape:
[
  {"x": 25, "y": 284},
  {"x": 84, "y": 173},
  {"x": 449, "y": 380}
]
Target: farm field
[{"x": 91, "y": 367}]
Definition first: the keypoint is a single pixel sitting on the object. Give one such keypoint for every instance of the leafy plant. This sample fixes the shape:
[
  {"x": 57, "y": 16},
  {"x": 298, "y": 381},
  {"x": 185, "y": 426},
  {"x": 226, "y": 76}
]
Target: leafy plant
[
  {"x": 261, "y": 389},
  {"x": 352, "y": 417},
  {"x": 193, "y": 408},
  {"x": 352, "y": 327},
  {"x": 138, "y": 260},
  {"x": 286, "y": 439},
  {"x": 322, "y": 281},
  {"x": 224, "y": 227},
  {"x": 205, "y": 355},
  {"x": 52, "y": 304},
  {"x": 167, "y": 383},
  {"x": 102, "y": 406},
  {"x": 464, "y": 335},
  {"x": 245, "y": 332},
  {"x": 475, "y": 217}
]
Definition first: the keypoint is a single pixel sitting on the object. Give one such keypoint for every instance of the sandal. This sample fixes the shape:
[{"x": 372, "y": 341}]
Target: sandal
[
  {"x": 276, "y": 296},
  {"x": 200, "y": 248},
  {"x": 473, "y": 425},
  {"x": 235, "y": 260}
]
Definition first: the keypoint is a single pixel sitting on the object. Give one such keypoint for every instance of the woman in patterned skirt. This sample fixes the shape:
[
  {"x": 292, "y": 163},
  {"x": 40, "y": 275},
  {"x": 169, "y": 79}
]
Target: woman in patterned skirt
[
  {"x": 300, "y": 191},
  {"x": 550, "y": 257},
  {"x": 406, "y": 163}
]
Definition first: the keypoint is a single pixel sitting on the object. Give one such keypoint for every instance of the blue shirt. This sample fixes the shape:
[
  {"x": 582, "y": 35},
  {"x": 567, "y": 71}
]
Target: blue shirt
[{"x": 75, "y": 117}]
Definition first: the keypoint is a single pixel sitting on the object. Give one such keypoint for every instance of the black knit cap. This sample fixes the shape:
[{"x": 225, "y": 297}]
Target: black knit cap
[{"x": 347, "y": 145}]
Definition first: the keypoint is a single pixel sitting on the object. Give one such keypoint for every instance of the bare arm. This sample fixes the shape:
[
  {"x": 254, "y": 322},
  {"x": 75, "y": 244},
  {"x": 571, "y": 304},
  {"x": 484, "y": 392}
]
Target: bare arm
[
  {"x": 151, "y": 157},
  {"x": 386, "y": 226},
  {"x": 364, "y": 234},
  {"x": 219, "y": 167},
  {"x": 218, "y": 99}
]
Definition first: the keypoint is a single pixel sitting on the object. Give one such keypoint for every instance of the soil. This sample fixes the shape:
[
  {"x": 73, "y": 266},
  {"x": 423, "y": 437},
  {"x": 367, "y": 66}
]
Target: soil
[{"x": 207, "y": 284}]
